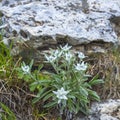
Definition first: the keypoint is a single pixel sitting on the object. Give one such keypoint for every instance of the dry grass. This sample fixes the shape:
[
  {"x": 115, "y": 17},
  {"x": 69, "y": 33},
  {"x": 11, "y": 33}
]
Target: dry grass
[
  {"x": 108, "y": 67},
  {"x": 17, "y": 99},
  {"x": 17, "y": 96}
]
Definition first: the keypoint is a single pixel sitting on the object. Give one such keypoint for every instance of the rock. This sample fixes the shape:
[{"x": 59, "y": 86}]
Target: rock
[
  {"x": 109, "y": 110},
  {"x": 41, "y": 24}
]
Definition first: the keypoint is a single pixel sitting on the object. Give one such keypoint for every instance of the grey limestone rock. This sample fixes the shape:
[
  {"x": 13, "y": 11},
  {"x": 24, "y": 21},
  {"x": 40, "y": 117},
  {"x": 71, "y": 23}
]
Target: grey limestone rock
[
  {"x": 44, "y": 23},
  {"x": 108, "y": 110}
]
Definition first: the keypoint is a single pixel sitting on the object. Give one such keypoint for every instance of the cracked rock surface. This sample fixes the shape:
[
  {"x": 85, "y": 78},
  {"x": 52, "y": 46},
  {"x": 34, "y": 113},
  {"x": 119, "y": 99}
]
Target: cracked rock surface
[
  {"x": 31, "y": 19},
  {"x": 109, "y": 110},
  {"x": 41, "y": 24}
]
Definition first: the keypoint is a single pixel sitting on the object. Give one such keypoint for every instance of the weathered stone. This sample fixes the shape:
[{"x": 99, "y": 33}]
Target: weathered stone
[
  {"x": 109, "y": 110},
  {"x": 47, "y": 23}
]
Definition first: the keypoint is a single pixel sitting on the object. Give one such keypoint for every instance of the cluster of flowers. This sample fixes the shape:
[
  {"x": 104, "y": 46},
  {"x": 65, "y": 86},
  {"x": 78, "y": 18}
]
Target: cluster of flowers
[
  {"x": 61, "y": 93},
  {"x": 67, "y": 87},
  {"x": 64, "y": 51}
]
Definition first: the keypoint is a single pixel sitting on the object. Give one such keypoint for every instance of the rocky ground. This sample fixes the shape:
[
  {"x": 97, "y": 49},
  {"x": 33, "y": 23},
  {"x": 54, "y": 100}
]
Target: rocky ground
[{"x": 108, "y": 110}]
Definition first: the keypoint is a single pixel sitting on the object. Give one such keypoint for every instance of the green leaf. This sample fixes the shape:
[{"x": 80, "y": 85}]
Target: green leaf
[
  {"x": 41, "y": 95},
  {"x": 33, "y": 86},
  {"x": 23, "y": 63},
  {"x": 82, "y": 98},
  {"x": 40, "y": 67},
  {"x": 38, "y": 95},
  {"x": 41, "y": 82},
  {"x": 51, "y": 104},
  {"x": 85, "y": 111},
  {"x": 83, "y": 91},
  {"x": 47, "y": 96},
  {"x": 94, "y": 95},
  {"x": 96, "y": 81},
  {"x": 87, "y": 85},
  {"x": 71, "y": 96},
  {"x": 31, "y": 63}
]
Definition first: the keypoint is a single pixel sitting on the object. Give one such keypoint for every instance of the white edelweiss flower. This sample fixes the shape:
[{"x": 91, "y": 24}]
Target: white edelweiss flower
[
  {"x": 68, "y": 56},
  {"x": 57, "y": 53},
  {"x": 81, "y": 66},
  {"x": 26, "y": 69},
  {"x": 81, "y": 55},
  {"x": 50, "y": 58},
  {"x": 61, "y": 94},
  {"x": 65, "y": 48}
]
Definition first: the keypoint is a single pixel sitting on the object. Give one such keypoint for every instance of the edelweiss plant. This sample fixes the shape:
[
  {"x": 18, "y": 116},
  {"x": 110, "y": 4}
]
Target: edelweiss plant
[
  {"x": 73, "y": 91},
  {"x": 24, "y": 72},
  {"x": 68, "y": 87}
]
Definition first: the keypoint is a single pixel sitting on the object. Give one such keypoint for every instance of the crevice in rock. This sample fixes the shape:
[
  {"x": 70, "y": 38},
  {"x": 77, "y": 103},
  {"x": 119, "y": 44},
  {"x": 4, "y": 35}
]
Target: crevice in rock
[
  {"x": 85, "y": 6},
  {"x": 115, "y": 21},
  {"x": 23, "y": 34}
]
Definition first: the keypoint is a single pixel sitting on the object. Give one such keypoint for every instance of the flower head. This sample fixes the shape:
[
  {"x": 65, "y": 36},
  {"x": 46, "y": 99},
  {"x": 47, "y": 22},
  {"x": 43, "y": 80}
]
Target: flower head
[
  {"x": 68, "y": 56},
  {"x": 65, "y": 48},
  {"x": 81, "y": 55},
  {"x": 26, "y": 69},
  {"x": 54, "y": 54},
  {"x": 57, "y": 53},
  {"x": 61, "y": 94},
  {"x": 50, "y": 58},
  {"x": 81, "y": 66}
]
